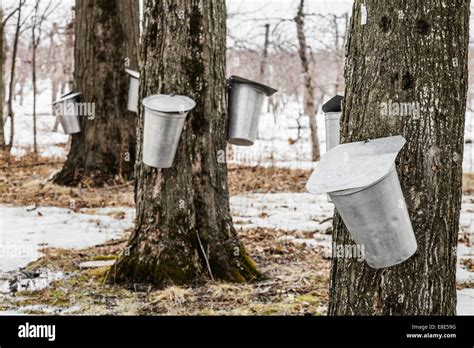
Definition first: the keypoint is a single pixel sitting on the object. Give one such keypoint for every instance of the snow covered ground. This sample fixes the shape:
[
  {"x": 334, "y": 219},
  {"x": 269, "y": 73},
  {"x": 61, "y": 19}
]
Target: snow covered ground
[
  {"x": 300, "y": 216},
  {"x": 50, "y": 143},
  {"x": 277, "y": 132},
  {"x": 278, "y": 142},
  {"x": 303, "y": 217},
  {"x": 24, "y": 231},
  {"x": 465, "y": 302}
]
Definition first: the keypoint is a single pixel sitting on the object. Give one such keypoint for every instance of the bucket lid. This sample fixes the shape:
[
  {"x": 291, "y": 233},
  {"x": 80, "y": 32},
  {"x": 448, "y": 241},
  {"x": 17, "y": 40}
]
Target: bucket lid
[
  {"x": 355, "y": 165},
  {"x": 133, "y": 73},
  {"x": 67, "y": 96},
  {"x": 333, "y": 104},
  {"x": 170, "y": 104},
  {"x": 266, "y": 89}
]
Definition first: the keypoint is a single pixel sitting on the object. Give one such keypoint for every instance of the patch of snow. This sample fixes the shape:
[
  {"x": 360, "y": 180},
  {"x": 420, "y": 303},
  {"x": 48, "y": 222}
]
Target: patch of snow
[
  {"x": 322, "y": 242},
  {"x": 303, "y": 212},
  {"x": 13, "y": 282},
  {"x": 23, "y": 233},
  {"x": 283, "y": 211},
  {"x": 97, "y": 264},
  {"x": 49, "y": 143},
  {"x": 8, "y": 313},
  {"x": 465, "y": 304},
  {"x": 463, "y": 275}
]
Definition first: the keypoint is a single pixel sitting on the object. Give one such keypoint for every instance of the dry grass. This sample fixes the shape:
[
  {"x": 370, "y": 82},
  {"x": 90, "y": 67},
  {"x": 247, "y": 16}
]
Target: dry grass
[
  {"x": 28, "y": 182},
  {"x": 468, "y": 264},
  {"x": 266, "y": 180},
  {"x": 297, "y": 275},
  {"x": 468, "y": 183}
]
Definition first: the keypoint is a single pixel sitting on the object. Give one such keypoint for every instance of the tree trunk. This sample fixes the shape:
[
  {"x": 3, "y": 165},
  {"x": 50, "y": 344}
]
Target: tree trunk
[
  {"x": 34, "y": 45},
  {"x": 107, "y": 34},
  {"x": 264, "y": 61},
  {"x": 2, "y": 89},
  {"x": 184, "y": 230},
  {"x": 411, "y": 51},
  {"x": 11, "y": 86},
  {"x": 339, "y": 42},
  {"x": 309, "y": 107},
  {"x": 263, "y": 78}
]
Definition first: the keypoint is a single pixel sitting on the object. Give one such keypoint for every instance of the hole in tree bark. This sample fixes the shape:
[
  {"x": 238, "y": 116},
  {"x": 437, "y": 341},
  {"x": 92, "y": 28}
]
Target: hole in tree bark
[
  {"x": 385, "y": 24},
  {"x": 394, "y": 77},
  {"x": 422, "y": 27},
  {"x": 407, "y": 81}
]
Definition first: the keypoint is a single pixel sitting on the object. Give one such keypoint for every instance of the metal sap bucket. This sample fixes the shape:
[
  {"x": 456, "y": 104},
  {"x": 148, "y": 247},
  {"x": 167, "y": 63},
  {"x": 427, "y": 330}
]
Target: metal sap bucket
[
  {"x": 164, "y": 120},
  {"x": 363, "y": 184},
  {"x": 333, "y": 133},
  {"x": 333, "y": 129},
  {"x": 66, "y": 110},
  {"x": 332, "y": 116},
  {"x": 245, "y": 106},
  {"x": 133, "y": 89}
]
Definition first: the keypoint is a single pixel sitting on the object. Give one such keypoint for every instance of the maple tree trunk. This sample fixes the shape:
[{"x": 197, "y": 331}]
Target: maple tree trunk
[
  {"x": 107, "y": 36},
  {"x": 184, "y": 231},
  {"x": 409, "y": 52}
]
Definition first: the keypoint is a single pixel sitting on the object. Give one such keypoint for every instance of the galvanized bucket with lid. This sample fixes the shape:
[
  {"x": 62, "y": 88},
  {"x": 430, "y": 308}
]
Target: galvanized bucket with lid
[
  {"x": 164, "y": 120},
  {"x": 245, "y": 105},
  {"x": 362, "y": 181},
  {"x": 66, "y": 110},
  {"x": 332, "y": 117},
  {"x": 133, "y": 90}
]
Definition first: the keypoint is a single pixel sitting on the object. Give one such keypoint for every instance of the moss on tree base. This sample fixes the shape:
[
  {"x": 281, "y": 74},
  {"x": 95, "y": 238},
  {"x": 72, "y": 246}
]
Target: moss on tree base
[{"x": 131, "y": 269}]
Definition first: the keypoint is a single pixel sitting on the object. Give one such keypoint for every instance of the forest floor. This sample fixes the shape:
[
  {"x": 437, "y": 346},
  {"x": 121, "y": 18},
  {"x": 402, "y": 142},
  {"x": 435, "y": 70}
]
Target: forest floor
[{"x": 81, "y": 231}]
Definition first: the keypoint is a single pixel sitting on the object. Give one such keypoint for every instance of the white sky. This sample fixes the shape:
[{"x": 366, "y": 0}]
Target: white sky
[
  {"x": 287, "y": 8},
  {"x": 257, "y": 9},
  {"x": 247, "y": 19}
]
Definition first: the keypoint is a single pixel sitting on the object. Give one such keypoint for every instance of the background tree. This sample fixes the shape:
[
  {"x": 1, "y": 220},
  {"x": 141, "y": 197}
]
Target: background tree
[
  {"x": 63, "y": 67},
  {"x": 3, "y": 43},
  {"x": 412, "y": 51},
  {"x": 300, "y": 37},
  {"x": 36, "y": 33},
  {"x": 2, "y": 92},
  {"x": 183, "y": 229},
  {"x": 13, "y": 66},
  {"x": 107, "y": 34},
  {"x": 309, "y": 95}
]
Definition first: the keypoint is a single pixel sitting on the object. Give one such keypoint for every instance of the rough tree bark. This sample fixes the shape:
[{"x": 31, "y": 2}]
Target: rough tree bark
[
  {"x": 184, "y": 230},
  {"x": 2, "y": 92},
  {"x": 309, "y": 106},
  {"x": 107, "y": 33},
  {"x": 410, "y": 51}
]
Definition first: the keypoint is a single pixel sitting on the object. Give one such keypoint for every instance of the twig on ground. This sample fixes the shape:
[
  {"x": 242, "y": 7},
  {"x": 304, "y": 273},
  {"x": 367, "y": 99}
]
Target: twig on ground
[
  {"x": 325, "y": 220},
  {"x": 22, "y": 165}
]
